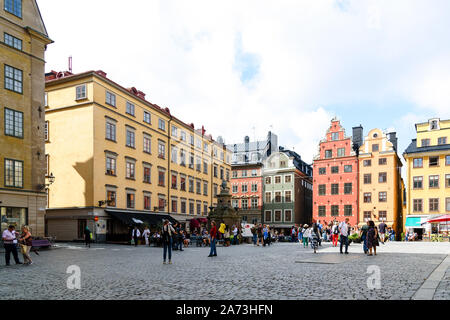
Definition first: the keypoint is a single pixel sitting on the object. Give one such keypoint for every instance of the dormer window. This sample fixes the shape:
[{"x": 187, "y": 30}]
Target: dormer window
[{"x": 434, "y": 125}]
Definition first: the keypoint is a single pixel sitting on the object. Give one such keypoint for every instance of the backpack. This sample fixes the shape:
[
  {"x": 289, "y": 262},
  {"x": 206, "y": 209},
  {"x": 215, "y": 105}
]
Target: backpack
[
  {"x": 336, "y": 230},
  {"x": 166, "y": 234}
]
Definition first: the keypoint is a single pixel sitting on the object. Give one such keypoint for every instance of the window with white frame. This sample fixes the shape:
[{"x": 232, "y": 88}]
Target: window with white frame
[
  {"x": 130, "y": 108},
  {"x": 147, "y": 117},
  {"x": 162, "y": 124},
  {"x": 80, "y": 92},
  {"x": 110, "y": 98},
  {"x": 147, "y": 144},
  {"x": 130, "y": 138}
]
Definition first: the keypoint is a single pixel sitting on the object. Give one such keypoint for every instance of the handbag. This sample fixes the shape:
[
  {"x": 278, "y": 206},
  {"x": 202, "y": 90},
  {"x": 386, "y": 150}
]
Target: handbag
[{"x": 23, "y": 248}]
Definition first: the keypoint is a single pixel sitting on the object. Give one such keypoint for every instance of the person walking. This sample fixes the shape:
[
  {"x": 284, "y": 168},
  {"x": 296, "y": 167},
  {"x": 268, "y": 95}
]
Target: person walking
[
  {"x": 363, "y": 235},
  {"x": 146, "y": 235},
  {"x": 315, "y": 236},
  {"x": 87, "y": 237},
  {"x": 335, "y": 235},
  {"x": 260, "y": 234},
  {"x": 135, "y": 234},
  {"x": 293, "y": 234},
  {"x": 9, "y": 238},
  {"x": 26, "y": 242},
  {"x": 213, "y": 234},
  {"x": 265, "y": 235},
  {"x": 382, "y": 229},
  {"x": 221, "y": 231},
  {"x": 167, "y": 238},
  {"x": 372, "y": 238},
  {"x": 179, "y": 232},
  {"x": 306, "y": 233},
  {"x": 343, "y": 230},
  {"x": 319, "y": 225},
  {"x": 300, "y": 233},
  {"x": 269, "y": 236},
  {"x": 235, "y": 235},
  {"x": 254, "y": 235}
]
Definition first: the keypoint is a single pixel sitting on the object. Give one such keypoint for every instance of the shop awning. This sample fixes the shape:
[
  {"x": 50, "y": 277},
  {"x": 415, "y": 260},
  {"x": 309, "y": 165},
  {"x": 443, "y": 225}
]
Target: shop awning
[
  {"x": 130, "y": 218},
  {"x": 413, "y": 222},
  {"x": 443, "y": 218}
]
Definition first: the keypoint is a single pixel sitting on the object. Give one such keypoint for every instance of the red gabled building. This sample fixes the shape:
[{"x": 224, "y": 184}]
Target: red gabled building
[{"x": 335, "y": 172}]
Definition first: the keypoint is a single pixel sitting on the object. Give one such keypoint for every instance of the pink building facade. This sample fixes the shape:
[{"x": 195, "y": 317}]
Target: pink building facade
[
  {"x": 335, "y": 172},
  {"x": 247, "y": 191}
]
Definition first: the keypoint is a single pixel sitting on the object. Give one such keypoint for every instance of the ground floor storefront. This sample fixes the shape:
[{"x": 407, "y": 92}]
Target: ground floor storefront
[
  {"x": 106, "y": 225},
  {"x": 23, "y": 208},
  {"x": 418, "y": 224}
]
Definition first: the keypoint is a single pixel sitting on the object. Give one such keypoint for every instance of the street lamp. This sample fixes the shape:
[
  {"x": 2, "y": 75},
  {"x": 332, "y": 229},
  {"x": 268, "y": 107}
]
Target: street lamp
[{"x": 50, "y": 178}]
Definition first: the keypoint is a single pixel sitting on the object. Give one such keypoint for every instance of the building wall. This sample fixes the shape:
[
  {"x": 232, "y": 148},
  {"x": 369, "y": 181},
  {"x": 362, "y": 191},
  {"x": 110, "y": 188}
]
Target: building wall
[
  {"x": 239, "y": 180},
  {"x": 30, "y": 29},
  {"x": 83, "y": 159},
  {"x": 392, "y": 185},
  {"x": 327, "y": 179},
  {"x": 442, "y": 170},
  {"x": 281, "y": 165}
]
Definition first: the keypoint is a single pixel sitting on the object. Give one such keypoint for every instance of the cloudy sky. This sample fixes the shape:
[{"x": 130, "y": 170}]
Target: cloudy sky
[{"x": 246, "y": 67}]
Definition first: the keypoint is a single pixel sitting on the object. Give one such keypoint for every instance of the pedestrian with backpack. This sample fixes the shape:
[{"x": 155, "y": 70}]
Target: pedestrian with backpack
[
  {"x": 167, "y": 238},
  {"x": 87, "y": 237},
  {"x": 306, "y": 233}
]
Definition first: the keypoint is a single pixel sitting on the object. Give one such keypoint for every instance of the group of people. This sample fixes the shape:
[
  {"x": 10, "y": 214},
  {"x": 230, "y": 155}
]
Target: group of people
[
  {"x": 261, "y": 235},
  {"x": 12, "y": 239},
  {"x": 371, "y": 235},
  {"x": 169, "y": 233}
]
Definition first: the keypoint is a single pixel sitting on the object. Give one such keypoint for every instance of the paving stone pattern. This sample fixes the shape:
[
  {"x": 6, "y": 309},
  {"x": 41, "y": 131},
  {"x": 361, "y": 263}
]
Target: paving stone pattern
[{"x": 239, "y": 272}]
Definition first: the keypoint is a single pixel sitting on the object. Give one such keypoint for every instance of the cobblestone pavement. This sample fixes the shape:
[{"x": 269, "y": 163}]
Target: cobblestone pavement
[
  {"x": 239, "y": 272},
  {"x": 443, "y": 290}
]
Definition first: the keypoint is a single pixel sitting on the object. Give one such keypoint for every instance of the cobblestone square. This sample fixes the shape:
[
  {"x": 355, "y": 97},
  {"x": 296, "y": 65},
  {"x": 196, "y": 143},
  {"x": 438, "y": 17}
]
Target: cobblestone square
[{"x": 239, "y": 272}]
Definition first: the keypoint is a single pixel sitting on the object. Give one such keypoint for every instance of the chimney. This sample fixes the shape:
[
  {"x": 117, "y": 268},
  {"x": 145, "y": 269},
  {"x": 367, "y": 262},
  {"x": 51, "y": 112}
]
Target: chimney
[
  {"x": 357, "y": 138},
  {"x": 101, "y": 73},
  {"x": 393, "y": 139}
]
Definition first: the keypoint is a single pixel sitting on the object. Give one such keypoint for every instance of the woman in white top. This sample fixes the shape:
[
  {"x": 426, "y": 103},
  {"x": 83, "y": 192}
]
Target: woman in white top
[
  {"x": 146, "y": 235},
  {"x": 306, "y": 235}
]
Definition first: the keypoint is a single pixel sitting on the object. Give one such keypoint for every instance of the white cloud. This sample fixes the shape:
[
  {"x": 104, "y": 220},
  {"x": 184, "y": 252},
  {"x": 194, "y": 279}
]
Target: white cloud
[{"x": 312, "y": 54}]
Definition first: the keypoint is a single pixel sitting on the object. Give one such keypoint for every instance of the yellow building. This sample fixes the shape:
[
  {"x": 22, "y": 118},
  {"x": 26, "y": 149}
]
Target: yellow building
[
  {"x": 428, "y": 171},
  {"x": 22, "y": 161},
  {"x": 380, "y": 183},
  {"x": 117, "y": 156}
]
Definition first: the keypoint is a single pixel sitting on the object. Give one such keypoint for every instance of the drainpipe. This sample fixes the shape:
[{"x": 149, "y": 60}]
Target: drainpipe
[{"x": 169, "y": 175}]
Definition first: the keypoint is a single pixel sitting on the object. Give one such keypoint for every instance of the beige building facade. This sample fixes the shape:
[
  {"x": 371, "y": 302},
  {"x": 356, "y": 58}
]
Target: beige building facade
[
  {"x": 380, "y": 183},
  {"x": 23, "y": 43},
  {"x": 117, "y": 157}
]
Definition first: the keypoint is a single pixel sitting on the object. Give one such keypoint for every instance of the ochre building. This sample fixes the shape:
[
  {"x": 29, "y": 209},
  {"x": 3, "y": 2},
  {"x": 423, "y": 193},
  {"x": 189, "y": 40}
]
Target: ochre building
[
  {"x": 380, "y": 185},
  {"x": 428, "y": 171},
  {"x": 123, "y": 160},
  {"x": 22, "y": 116}
]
